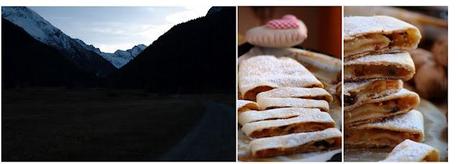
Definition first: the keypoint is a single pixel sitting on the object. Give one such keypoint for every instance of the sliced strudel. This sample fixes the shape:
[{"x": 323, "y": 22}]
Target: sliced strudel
[
  {"x": 369, "y": 89},
  {"x": 374, "y": 110},
  {"x": 245, "y": 105},
  {"x": 295, "y": 143},
  {"x": 262, "y": 73},
  {"x": 410, "y": 151},
  {"x": 273, "y": 123},
  {"x": 272, "y": 114},
  {"x": 270, "y": 103},
  {"x": 387, "y": 133},
  {"x": 291, "y": 92},
  {"x": 382, "y": 66},
  {"x": 377, "y": 34}
]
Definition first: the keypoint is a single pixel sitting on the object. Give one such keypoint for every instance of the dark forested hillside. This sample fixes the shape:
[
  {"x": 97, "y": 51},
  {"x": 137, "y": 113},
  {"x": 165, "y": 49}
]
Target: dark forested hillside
[
  {"x": 28, "y": 62},
  {"x": 197, "y": 56},
  {"x": 82, "y": 55}
]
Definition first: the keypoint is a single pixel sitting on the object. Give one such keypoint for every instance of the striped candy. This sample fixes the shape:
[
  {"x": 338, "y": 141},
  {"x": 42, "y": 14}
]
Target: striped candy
[{"x": 286, "y": 22}]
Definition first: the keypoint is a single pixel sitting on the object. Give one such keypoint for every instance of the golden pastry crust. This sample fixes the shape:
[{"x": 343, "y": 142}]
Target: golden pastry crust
[
  {"x": 264, "y": 72},
  {"x": 327, "y": 139},
  {"x": 373, "y": 110},
  {"x": 377, "y": 34},
  {"x": 387, "y": 133},
  {"x": 382, "y": 66},
  {"x": 410, "y": 151}
]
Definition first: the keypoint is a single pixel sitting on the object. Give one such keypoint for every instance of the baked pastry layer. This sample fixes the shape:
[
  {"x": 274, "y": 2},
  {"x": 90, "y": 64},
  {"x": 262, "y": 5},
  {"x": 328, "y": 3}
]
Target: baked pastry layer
[
  {"x": 292, "y": 92},
  {"x": 410, "y": 151},
  {"x": 295, "y": 143},
  {"x": 270, "y": 103},
  {"x": 365, "y": 35},
  {"x": 272, "y": 114},
  {"x": 272, "y": 123},
  {"x": 387, "y": 133},
  {"x": 382, "y": 66},
  {"x": 245, "y": 105},
  {"x": 373, "y": 110},
  {"x": 369, "y": 89},
  {"x": 264, "y": 72}
]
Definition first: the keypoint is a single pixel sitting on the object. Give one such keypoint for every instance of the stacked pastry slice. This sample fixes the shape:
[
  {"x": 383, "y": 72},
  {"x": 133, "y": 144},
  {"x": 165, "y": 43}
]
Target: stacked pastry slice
[
  {"x": 289, "y": 128},
  {"x": 378, "y": 110},
  {"x": 289, "y": 115},
  {"x": 265, "y": 72},
  {"x": 283, "y": 107}
]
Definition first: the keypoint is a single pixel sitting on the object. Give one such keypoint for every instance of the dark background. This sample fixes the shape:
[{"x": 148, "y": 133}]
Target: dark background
[{"x": 175, "y": 101}]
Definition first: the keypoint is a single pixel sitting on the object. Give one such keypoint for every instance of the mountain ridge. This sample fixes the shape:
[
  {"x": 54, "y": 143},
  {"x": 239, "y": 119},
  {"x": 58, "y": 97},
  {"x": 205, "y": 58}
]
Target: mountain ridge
[
  {"x": 192, "y": 57},
  {"x": 29, "y": 62},
  {"x": 87, "y": 57}
]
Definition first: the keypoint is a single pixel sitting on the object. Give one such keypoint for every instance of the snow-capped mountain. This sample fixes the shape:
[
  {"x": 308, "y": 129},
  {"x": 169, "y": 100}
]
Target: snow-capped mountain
[
  {"x": 86, "y": 56},
  {"x": 121, "y": 57},
  {"x": 35, "y": 25}
]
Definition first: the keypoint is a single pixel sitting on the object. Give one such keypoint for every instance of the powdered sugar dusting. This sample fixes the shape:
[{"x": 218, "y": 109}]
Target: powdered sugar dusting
[
  {"x": 403, "y": 58},
  {"x": 292, "y": 102},
  {"x": 279, "y": 113},
  {"x": 410, "y": 151},
  {"x": 358, "y": 25},
  {"x": 293, "y": 92},
  {"x": 265, "y": 70},
  {"x": 409, "y": 122},
  {"x": 293, "y": 140}
]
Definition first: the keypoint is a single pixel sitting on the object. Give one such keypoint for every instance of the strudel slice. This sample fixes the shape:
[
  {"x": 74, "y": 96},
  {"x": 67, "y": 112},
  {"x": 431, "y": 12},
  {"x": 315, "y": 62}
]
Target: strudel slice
[
  {"x": 377, "y": 34},
  {"x": 295, "y": 143},
  {"x": 291, "y": 92},
  {"x": 270, "y": 103},
  {"x": 272, "y": 114},
  {"x": 369, "y": 89},
  {"x": 410, "y": 151},
  {"x": 373, "y": 110},
  {"x": 272, "y": 122},
  {"x": 245, "y": 105},
  {"x": 387, "y": 133},
  {"x": 382, "y": 66},
  {"x": 264, "y": 72}
]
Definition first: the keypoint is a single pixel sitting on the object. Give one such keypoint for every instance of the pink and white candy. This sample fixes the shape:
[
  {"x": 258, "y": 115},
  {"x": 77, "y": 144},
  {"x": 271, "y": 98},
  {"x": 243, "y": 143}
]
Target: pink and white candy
[{"x": 286, "y": 22}]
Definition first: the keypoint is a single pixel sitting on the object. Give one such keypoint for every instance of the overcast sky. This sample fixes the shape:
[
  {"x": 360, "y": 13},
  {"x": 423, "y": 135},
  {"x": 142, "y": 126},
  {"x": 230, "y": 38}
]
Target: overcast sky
[{"x": 112, "y": 28}]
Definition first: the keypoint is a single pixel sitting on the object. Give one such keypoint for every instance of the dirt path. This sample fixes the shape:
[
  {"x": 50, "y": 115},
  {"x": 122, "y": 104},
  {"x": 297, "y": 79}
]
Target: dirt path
[{"x": 212, "y": 139}]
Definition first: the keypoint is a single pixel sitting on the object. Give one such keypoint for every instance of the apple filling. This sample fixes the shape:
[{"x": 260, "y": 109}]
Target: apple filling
[
  {"x": 377, "y": 111},
  {"x": 327, "y": 144},
  {"x": 367, "y": 71},
  {"x": 377, "y": 138},
  {"x": 375, "y": 42},
  {"x": 366, "y": 43},
  {"x": 373, "y": 90},
  {"x": 251, "y": 94},
  {"x": 292, "y": 128}
]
